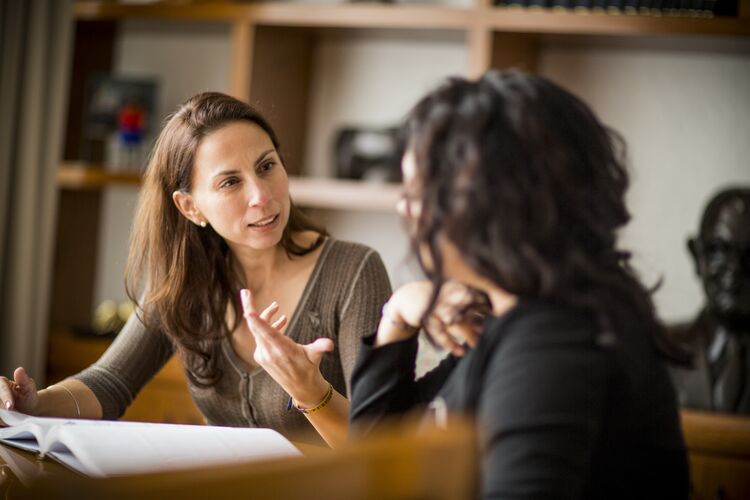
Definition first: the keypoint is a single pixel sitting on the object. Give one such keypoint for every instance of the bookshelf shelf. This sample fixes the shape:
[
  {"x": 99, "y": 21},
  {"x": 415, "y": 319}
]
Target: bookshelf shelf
[
  {"x": 363, "y": 15},
  {"x": 518, "y": 20},
  {"x": 344, "y": 194},
  {"x": 379, "y": 16},
  {"x": 310, "y": 192},
  {"x": 79, "y": 176}
]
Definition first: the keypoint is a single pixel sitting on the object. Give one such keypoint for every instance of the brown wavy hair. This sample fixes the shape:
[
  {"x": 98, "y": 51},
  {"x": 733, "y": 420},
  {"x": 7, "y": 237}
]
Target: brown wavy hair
[
  {"x": 529, "y": 185},
  {"x": 179, "y": 274}
]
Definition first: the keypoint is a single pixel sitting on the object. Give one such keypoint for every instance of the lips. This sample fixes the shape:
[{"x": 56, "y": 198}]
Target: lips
[{"x": 265, "y": 222}]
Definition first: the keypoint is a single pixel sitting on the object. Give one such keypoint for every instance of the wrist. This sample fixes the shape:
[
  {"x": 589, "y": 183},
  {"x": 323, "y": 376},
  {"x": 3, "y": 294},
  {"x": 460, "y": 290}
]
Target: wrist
[
  {"x": 320, "y": 405},
  {"x": 393, "y": 327},
  {"x": 45, "y": 404},
  {"x": 312, "y": 396}
]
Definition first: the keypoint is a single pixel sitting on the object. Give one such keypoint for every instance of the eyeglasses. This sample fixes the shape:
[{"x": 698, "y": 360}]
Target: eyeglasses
[{"x": 409, "y": 205}]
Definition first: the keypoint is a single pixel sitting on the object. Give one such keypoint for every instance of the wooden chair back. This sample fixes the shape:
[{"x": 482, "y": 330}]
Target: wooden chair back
[{"x": 719, "y": 450}]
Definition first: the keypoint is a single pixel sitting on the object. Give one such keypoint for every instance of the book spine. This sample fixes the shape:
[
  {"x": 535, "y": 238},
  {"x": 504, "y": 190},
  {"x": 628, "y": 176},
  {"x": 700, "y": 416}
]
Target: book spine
[
  {"x": 645, "y": 7},
  {"x": 536, "y": 4},
  {"x": 561, "y": 4},
  {"x": 599, "y": 5},
  {"x": 630, "y": 7},
  {"x": 708, "y": 8},
  {"x": 615, "y": 6}
]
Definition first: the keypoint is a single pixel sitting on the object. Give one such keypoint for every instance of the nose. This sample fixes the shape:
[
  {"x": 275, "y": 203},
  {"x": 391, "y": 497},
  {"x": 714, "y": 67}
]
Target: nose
[{"x": 259, "y": 194}]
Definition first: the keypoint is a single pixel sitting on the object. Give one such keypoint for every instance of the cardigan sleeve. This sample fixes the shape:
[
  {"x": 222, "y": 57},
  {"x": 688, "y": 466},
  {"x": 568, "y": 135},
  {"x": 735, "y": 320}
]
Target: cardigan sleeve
[{"x": 134, "y": 357}]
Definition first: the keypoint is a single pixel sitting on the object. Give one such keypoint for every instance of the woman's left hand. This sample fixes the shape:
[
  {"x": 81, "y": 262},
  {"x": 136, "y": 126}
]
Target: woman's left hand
[{"x": 293, "y": 366}]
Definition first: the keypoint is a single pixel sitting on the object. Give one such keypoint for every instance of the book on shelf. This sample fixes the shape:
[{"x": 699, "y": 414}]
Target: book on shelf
[
  {"x": 102, "y": 448},
  {"x": 630, "y": 7},
  {"x": 562, "y": 4},
  {"x": 680, "y": 8},
  {"x": 538, "y": 4}
]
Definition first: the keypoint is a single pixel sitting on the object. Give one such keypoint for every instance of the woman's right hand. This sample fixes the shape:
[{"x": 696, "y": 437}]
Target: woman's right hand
[
  {"x": 407, "y": 307},
  {"x": 19, "y": 394}
]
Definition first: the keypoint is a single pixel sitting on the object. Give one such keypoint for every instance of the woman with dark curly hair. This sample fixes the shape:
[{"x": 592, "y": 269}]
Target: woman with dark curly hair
[{"x": 515, "y": 189}]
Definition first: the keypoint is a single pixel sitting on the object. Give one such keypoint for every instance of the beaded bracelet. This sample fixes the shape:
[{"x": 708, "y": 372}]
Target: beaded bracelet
[{"x": 322, "y": 404}]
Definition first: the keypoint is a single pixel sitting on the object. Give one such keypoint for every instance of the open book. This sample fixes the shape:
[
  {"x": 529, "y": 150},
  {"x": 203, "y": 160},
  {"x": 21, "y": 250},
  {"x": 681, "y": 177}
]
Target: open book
[{"x": 102, "y": 448}]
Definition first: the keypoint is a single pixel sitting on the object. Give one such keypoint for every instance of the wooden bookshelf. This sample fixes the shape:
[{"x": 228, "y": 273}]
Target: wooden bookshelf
[
  {"x": 260, "y": 35},
  {"x": 310, "y": 192}
]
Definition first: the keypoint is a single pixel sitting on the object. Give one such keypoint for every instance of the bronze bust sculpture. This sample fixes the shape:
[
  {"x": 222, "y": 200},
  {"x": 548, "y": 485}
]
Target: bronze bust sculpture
[{"x": 719, "y": 338}]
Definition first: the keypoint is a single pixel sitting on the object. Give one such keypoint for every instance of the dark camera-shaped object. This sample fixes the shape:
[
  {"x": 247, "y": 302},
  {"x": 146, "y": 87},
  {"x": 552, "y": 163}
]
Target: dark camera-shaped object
[{"x": 368, "y": 154}]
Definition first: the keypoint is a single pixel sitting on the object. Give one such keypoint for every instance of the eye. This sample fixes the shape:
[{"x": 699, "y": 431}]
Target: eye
[
  {"x": 267, "y": 166},
  {"x": 229, "y": 182}
]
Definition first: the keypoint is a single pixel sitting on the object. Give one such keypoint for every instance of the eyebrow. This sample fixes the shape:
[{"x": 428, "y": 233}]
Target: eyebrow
[{"x": 260, "y": 158}]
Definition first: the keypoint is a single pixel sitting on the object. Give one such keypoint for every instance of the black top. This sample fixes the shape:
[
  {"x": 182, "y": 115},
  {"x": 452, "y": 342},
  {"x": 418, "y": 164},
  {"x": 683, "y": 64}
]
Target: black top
[{"x": 561, "y": 411}]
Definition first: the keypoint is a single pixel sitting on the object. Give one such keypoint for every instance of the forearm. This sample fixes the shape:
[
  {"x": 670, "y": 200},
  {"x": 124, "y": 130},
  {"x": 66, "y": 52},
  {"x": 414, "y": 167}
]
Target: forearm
[
  {"x": 56, "y": 401},
  {"x": 332, "y": 421}
]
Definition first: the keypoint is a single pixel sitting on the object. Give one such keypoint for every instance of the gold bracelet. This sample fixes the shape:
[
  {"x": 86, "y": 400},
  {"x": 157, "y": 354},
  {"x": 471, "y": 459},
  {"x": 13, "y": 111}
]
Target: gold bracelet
[
  {"x": 322, "y": 404},
  {"x": 78, "y": 408}
]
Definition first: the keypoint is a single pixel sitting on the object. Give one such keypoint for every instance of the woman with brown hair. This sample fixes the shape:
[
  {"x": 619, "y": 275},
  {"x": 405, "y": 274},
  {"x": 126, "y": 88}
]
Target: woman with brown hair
[
  {"x": 515, "y": 188},
  {"x": 214, "y": 218}
]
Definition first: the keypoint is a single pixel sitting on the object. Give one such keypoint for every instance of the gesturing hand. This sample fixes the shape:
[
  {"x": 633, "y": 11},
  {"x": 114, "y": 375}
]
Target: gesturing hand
[
  {"x": 294, "y": 367},
  {"x": 19, "y": 394}
]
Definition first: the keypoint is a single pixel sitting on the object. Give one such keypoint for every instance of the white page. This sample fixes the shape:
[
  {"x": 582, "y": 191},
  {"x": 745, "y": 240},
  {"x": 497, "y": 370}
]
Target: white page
[
  {"x": 104, "y": 448},
  {"x": 29, "y": 444},
  {"x": 107, "y": 451}
]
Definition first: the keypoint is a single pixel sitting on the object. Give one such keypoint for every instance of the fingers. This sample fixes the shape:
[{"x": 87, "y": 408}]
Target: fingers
[
  {"x": 248, "y": 306},
  {"x": 6, "y": 393},
  {"x": 465, "y": 332},
  {"x": 442, "y": 337},
  {"x": 279, "y": 323},
  {"x": 26, "y": 383},
  {"x": 317, "y": 349},
  {"x": 13, "y": 390},
  {"x": 269, "y": 311},
  {"x": 258, "y": 324}
]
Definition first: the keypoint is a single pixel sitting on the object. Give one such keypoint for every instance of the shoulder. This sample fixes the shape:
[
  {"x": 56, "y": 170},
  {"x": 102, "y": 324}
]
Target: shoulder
[
  {"x": 547, "y": 359},
  {"x": 345, "y": 260},
  {"x": 539, "y": 325},
  {"x": 350, "y": 250}
]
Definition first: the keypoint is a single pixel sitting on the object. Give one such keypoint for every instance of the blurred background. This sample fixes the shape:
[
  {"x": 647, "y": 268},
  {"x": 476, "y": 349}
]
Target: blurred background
[{"x": 672, "y": 77}]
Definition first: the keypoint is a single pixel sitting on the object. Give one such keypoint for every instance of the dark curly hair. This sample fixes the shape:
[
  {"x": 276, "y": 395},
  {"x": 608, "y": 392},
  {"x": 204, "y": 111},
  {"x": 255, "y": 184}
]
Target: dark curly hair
[{"x": 523, "y": 179}]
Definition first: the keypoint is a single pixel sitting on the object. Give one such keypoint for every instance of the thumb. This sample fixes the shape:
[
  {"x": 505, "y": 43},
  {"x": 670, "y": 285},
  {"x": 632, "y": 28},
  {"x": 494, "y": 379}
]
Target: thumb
[
  {"x": 316, "y": 350},
  {"x": 22, "y": 378}
]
